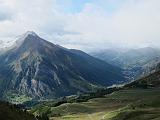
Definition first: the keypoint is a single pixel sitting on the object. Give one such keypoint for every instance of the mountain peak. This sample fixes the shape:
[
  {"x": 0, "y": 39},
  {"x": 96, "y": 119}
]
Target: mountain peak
[
  {"x": 25, "y": 35},
  {"x": 30, "y": 33},
  {"x": 28, "y": 36}
]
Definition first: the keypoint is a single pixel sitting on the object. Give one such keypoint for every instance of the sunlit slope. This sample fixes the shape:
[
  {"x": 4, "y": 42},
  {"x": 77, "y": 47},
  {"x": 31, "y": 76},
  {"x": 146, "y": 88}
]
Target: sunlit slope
[{"x": 116, "y": 106}]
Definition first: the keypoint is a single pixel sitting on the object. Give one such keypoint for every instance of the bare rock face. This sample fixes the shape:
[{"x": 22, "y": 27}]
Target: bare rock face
[{"x": 39, "y": 68}]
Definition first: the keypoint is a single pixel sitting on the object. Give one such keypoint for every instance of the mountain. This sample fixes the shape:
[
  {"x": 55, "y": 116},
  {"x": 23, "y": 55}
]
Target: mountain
[
  {"x": 135, "y": 62},
  {"x": 38, "y": 68},
  {"x": 127, "y": 57},
  {"x": 150, "y": 67},
  {"x": 152, "y": 80}
]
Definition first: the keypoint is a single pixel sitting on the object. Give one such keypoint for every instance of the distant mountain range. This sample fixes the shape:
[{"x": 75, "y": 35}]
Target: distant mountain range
[
  {"x": 38, "y": 68},
  {"x": 135, "y": 62}
]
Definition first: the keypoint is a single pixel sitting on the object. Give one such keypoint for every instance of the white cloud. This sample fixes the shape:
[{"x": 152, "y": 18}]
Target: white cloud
[
  {"x": 37, "y": 15},
  {"x": 129, "y": 23},
  {"x": 136, "y": 23}
]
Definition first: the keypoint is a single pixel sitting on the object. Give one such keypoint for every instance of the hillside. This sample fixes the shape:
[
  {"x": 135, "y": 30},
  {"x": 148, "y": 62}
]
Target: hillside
[
  {"x": 145, "y": 104},
  {"x": 11, "y": 112},
  {"x": 150, "y": 81},
  {"x": 129, "y": 104},
  {"x": 138, "y": 100}
]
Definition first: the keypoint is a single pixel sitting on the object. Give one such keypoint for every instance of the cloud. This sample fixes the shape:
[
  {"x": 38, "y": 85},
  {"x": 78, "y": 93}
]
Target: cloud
[
  {"x": 92, "y": 25},
  {"x": 135, "y": 23},
  {"x": 4, "y": 16},
  {"x": 5, "y": 13}
]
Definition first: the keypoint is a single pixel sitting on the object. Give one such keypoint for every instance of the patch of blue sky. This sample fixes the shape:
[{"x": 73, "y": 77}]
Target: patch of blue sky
[{"x": 75, "y": 6}]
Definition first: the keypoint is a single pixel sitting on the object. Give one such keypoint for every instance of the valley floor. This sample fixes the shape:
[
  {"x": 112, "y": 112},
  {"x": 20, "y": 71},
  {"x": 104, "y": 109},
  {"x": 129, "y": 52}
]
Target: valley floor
[{"x": 133, "y": 104}]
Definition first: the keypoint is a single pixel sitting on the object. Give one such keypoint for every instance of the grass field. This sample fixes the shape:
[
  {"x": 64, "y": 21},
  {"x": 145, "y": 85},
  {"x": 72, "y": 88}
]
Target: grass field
[
  {"x": 133, "y": 104},
  {"x": 144, "y": 105},
  {"x": 17, "y": 98}
]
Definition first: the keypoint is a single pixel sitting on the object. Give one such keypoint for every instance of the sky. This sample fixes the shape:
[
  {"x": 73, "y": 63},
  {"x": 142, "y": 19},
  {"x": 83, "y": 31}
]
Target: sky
[{"x": 83, "y": 24}]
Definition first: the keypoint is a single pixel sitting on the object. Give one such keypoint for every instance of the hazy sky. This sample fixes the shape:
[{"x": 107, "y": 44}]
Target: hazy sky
[{"x": 84, "y": 24}]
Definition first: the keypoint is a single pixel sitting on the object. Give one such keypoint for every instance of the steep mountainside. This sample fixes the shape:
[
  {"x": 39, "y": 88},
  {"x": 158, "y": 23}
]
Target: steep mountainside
[{"x": 39, "y": 68}]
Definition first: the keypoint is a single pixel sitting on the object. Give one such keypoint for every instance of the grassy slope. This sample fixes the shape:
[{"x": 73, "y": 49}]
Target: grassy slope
[
  {"x": 133, "y": 104},
  {"x": 145, "y": 105},
  {"x": 15, "y": 98},
  {"x": 93, "y": 108}
]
